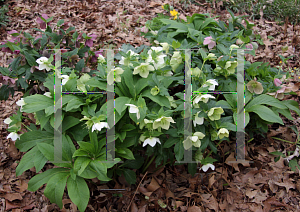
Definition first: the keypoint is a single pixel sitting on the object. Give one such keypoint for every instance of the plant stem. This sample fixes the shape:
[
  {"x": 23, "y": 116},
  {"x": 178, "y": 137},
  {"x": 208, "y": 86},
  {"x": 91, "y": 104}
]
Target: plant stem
[
  {"x": 146, "y": 167},
  {"x": 26, "y": 126}
]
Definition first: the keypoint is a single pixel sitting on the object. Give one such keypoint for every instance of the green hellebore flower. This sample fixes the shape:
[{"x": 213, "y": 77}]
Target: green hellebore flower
[
  {"x": 114, "y": 75},
  {"x": 143, "y": 69},
  {"x": 196, "y": 72},
  {"x": 223, "y": 132},
  {"x": 154, "y": 91},
  {"x": 165, "y": 46},
  {"x": 193, "y": 140},
  {"x": 176, "y": 60},
  {"x": 198, "y": 155},
  {"x": 81, "y": 82},
  {"x": 230, "y": 66},
  {"x": 148, "y": 123},
  {"x": 172, "y": 101},
  {"x": 254, "y": 86},
  {"x": 215, "y": 113},
  {"x": 163, "y": 122},
  {"x": 234, "y": 46},
  {"x": 213, "y": 135},
  {"x": 211, "y": 56}
]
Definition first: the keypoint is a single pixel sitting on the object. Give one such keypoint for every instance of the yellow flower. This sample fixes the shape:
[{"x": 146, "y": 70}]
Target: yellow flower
[
  {"x": 280, "y": 62},
  {"x": 174, "y": 13}
]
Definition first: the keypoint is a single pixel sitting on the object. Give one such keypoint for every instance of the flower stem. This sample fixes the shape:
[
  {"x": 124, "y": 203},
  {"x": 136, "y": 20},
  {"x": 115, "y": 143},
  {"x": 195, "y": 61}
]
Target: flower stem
[
  {"x": 26, "y": 126},
  {"x": 146, "y": 167}
]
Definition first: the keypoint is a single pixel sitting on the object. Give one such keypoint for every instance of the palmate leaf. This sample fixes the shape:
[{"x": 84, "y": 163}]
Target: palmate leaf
[
  {"x": 78, "y": 192},
  {"x": 55, "y": 188}
]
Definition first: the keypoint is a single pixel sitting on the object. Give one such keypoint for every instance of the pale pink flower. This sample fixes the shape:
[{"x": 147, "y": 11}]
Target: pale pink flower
[
  {"x": 277, "y": 82},
  {"x": 209, "y": 41}
]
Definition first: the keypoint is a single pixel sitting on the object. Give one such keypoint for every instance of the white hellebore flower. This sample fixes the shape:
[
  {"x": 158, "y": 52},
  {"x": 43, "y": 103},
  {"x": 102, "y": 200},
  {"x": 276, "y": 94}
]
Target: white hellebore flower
[
  {"x": 43, "y": 63},
  {"x": 48, "y": 94},
  {"x": 21, "y": 103},
  {"x": 14, "y": 136},
  {"x": 213, "y": 83},
  {"x": 154, "y": 32},
  {"x": 114, "y": 75},
  {"x": 207, "y": 166},
  {"x": 7, "y": 121},
  {"x": 134, "y": 109},
  {"x": 159, "y": 61},
  {"x": 223, "y": 132},
  {"x": 151, "y": 141},
  {"x": 198, "y": 120},
  {"x": 193, "y": 140},
  {"x": 65, "y": 79},
  {"x": 98, "y": 126},
  {"x": 143, "y": 69},
  {"x": 165, "y": 47},
  {"x": 163, "y": 122},
  {"x": 101, "y": 59},
  {"x": 204, "y": 98},
  {"x": 176, "y": 60},
  {"x": 126, "y": 61}
]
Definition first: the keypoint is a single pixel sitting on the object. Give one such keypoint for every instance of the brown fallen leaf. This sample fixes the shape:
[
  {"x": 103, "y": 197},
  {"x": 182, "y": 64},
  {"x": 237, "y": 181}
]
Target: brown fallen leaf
[
  {"x": 153, "y": 186},
  {"x": 194, "y": 209},
  {"x": 13, "y": 196}
]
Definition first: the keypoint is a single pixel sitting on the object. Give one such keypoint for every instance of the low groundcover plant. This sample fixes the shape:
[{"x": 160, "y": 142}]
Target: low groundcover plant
[{"x": 148, "y": 120}]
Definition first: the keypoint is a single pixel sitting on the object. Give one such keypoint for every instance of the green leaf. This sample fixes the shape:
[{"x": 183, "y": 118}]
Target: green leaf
[
  {"x": 207, "y": 22},
  {"x": 87, "y": 146},
  {"x": 36, "y": 103},
  {"x": 55, "y": 188},
  {"x": 285, "y": 112},
  {"x": 228, "y": 126},
  {"x": 292, "y": 105},
  {"x": 128, "y": 77},
  {"x": 31, "y": 138},
  {"x": 161, "y": 100},
  {"x": 38, "y": 180},
  {"x": 69, "y": 122},
  {"x": 223, "y": 49},
  {"x": 176, "y": 25},
  {"x": 130, "y": 176},
  {"x": 192, "y": 168},
  {"x": 140, "y": 85},
  {"x": 293, "y": 164},
  {"x": 39, "y": 161},
  {"x": 96, "y": 83},
  {"x": 267, "y": 100},
  {"x": 78, "y": 192},
  {"x": 101, "y": 169},
  {"x": 134, "y": 164},
  {"x": 60, "y": 22},
  {"x": 125, "y": 153},
  {"x": 170, "y": 142},
  {"x": 27, "y": 161},
  {"x": 179, "y": 151},
  {"x": 265, "y": 113},
  {"x": 120, "y": 104},
  {"x": 74, "y": 104}
]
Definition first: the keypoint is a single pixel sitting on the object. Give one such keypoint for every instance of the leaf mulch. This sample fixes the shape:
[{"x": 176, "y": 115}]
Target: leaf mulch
[{"x": 261, "y": 185}]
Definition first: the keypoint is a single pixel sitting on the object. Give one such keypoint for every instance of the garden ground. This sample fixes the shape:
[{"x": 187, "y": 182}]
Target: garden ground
[{"x": 263, "y": 185}]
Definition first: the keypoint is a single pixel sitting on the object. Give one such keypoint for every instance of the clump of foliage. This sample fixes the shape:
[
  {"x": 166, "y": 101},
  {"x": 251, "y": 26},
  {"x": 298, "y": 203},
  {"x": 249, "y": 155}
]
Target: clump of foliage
[
  {"x": 3, "y": 17},
  {"x": 277, "y": 10}
]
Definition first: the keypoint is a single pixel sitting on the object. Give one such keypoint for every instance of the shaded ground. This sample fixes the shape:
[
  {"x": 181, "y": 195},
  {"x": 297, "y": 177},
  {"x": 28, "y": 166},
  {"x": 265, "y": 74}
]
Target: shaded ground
[{"x": 263, "y": 185}]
